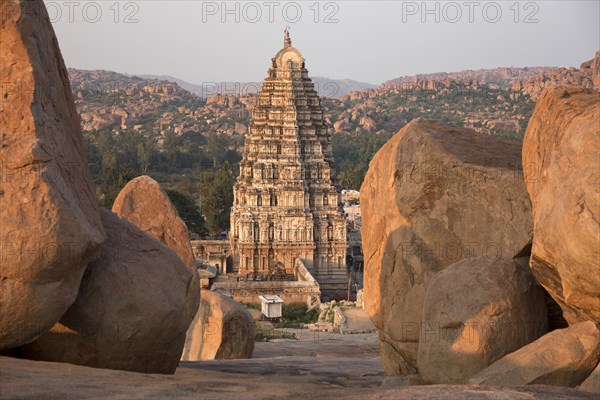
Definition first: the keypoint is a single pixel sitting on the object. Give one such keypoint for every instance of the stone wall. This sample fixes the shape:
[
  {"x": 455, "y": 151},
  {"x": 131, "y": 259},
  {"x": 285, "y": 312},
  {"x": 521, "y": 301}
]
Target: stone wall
[{"x": 305, "y": 289}]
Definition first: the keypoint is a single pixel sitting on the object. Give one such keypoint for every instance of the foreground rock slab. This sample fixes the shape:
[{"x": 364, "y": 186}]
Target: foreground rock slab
[
  {"x": 564, "y": 357},
  {"x": 476, "y": 311},
  {"x": 293, "y": 378},
  {"x": 50, "y": 225},
  {"x": 560, "y": 155},
  {"x": 434, "y": 195},
  {"x": 132, "y": 311},
  {"x": 222, "y": 329}
]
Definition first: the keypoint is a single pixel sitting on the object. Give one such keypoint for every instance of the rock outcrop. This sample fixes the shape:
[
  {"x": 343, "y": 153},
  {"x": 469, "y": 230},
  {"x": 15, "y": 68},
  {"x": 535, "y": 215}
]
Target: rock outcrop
[
  {"x": 596, "y": 70},
  {"x": 222, "y": 329},
  {"x": 476, "y": 311},
  {"x": 434, "y": 195},
  {"x": 560, "y": 157},
  {"x": 50, "y": 225},
  {"x": 534, "y": 86},
  {"x": 564, "y": 357},
  {"x": 132, "y": 311}
]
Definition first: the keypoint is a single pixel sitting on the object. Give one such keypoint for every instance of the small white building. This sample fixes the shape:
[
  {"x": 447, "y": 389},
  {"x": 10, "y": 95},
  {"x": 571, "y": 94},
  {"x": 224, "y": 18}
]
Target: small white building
[
  {"x": 271, "y": 306},
  {"x": 353, "y": 216},
  {"x": 349, "y": 195}
]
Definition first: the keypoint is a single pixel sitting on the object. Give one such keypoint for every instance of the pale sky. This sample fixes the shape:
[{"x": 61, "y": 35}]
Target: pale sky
[{"x": 370, "y": 41}]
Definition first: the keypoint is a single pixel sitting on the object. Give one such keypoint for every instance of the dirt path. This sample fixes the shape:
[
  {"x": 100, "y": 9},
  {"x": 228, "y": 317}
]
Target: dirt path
[{"x": 357, "y": 320}]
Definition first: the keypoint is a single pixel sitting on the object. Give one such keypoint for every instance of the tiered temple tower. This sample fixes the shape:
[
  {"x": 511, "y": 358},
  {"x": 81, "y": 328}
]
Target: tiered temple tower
[{"x": 285, "y": 205}]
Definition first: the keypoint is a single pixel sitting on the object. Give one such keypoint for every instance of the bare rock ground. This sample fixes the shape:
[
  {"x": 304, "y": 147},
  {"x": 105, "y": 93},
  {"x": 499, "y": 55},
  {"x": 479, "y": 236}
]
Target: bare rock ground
[{"x": 317, "y": 366}]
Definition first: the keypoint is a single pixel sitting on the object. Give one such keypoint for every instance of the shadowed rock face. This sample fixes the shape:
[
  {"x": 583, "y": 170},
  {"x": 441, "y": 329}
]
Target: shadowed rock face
[
  {"x": 476, "y": 311},
  {"x": 434, "y": 195},
  {"x": 560, "y": 155},
  {"x": 592, "y": 382},
  {"x": 132, "y": 311},
  {"x": 222, "y": 329},
  {"x": 146, "y": 205},
  {"x": 50, "y": 221},
  {"x": 564, "y": 357}
]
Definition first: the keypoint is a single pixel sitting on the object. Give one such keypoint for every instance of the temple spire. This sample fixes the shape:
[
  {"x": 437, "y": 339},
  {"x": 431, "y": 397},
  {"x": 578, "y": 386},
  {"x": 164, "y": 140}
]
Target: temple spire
[
  {"x": 285, "y": 214},
  {"x": 287, "y": 42}
]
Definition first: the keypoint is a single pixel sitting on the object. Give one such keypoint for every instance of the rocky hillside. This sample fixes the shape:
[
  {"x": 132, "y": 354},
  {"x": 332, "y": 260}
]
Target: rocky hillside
[
  {"x": 529, "y": 80},
  {"x": 111, "y": 101},
  {"x": 500, "y": 76},
  {"x": 493, "y": 101},
  {"x": 326, "y": 87},
  {"x": 487, "y": 108}
]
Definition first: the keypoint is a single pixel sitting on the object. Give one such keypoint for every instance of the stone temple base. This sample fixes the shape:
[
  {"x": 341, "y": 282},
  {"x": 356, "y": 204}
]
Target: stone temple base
[{"x": 288, "y": 291}]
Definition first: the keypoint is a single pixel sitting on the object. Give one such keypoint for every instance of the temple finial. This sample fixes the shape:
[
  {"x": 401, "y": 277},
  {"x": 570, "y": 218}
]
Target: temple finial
[{"x": 287, "y": 42}]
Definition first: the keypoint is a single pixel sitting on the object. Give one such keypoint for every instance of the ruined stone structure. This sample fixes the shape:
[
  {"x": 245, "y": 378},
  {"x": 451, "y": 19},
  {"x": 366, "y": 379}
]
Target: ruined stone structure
[{"x": 285, "y": 205}]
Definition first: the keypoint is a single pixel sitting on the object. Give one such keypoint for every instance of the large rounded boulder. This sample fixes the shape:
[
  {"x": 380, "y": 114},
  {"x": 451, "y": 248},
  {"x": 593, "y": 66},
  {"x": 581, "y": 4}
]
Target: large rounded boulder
[
  {"x": 560, "y": 157},
  {"x": 146, "y": 205},
  {"x": 563, "y": 357},
  {"x": 434, "y": 195},
  {"x": 50, "y": 225},
  {"x": 476, "y": 311},
  {"x": 222, "y": 329},
  {"x": 132, "y": 311}
]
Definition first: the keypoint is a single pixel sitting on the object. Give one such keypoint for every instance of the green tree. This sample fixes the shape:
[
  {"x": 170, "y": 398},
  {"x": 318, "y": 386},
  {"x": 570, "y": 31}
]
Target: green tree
[
  {"x": 216, "y": 198},
  {"x": 189, "y": 211},
  {"x": 94, "y": 157},
  {"x": 216, "y": 148},
  {"x": 351, "y": 177},
  {"x": 145, "y": 151}
]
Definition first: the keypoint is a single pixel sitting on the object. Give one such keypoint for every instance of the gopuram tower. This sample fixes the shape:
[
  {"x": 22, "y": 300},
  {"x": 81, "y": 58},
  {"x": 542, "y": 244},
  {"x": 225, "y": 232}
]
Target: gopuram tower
[{"x": 285, "y": 206}]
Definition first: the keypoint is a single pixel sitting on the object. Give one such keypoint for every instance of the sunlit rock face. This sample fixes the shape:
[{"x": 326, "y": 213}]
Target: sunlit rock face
[
  {"x": 50, "y": 225},
  {"x": 434, "y": 195},
  {"x": 222, "y": 330},
  {"x": 560, "y": 157},
  {"x": 476, "y": 311},
  {"x": 564, "y": 357}
]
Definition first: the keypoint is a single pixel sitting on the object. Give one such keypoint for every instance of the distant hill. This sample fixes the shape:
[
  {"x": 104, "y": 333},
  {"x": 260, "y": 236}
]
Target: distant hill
[
  {"x": 502, "y": 76},
  {"x": 326, "y": 87},
  {"x": 109, "y": 100},
  {"x": 154, "y": 107}
]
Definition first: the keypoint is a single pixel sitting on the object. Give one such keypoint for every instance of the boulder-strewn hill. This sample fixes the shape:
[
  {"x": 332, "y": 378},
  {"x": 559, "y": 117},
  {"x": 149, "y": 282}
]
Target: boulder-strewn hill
[
  {"x": 497, "y": 75},
  {"x": 492, "y": 101},
  {"x": 109, "y": 101},
  {"x": 326, "y": 87},
  {"x": 529, "y": 80}
]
